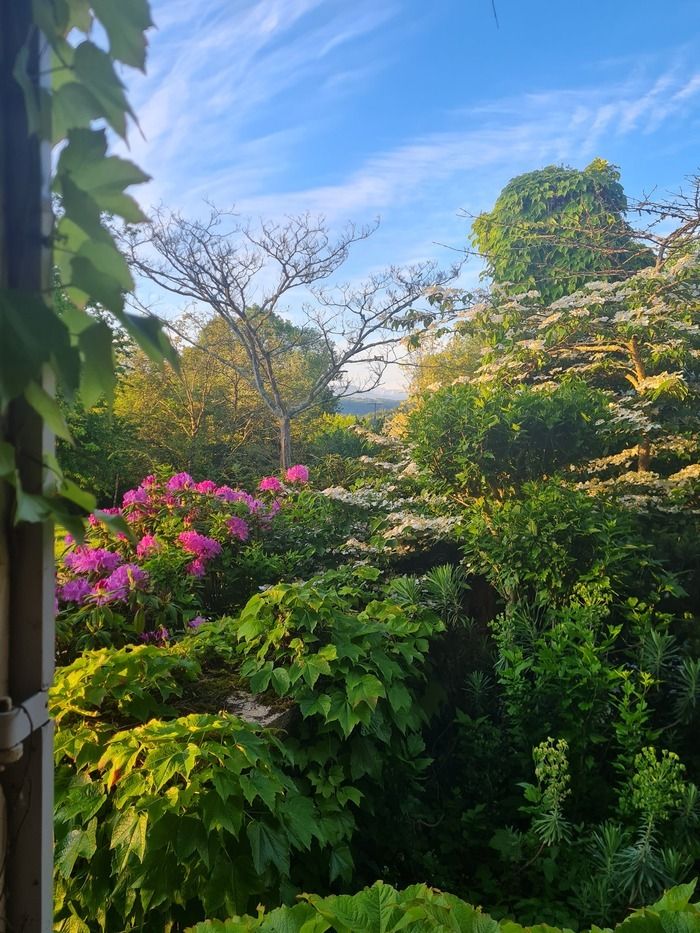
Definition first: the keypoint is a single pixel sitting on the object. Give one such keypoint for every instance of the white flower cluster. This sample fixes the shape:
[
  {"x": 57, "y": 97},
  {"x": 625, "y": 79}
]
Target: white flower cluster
[
  {"x": 623, "y": 458},
  {"x": 381, "y": 464},
  {"x": 407, "y": 523},
  {"x": 688, "y": 474},
  {"x": 366, "y": 497},
  {"x": 641, "y": 491}
]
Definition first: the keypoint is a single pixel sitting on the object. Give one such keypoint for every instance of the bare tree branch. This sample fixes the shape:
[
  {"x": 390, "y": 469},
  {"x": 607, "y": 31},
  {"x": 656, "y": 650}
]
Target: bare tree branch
[{"x": 246, "y": 275}]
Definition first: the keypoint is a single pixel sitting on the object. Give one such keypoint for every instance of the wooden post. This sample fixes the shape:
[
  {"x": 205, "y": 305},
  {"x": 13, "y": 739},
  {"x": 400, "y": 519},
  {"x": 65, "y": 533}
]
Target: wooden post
[{"x": 26, "y": 551}]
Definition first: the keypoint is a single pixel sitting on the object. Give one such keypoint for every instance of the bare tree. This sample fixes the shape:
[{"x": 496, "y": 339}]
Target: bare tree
[
  {"x": 247, "y": 276},
  {"x": 673, "y": 221}
]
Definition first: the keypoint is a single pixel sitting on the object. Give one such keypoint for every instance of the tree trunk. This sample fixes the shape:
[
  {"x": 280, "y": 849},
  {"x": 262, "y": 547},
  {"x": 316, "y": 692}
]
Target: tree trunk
[
  {"x": 644, "y": 456},
  {"x": 285, "y": 442},
  {"x": 640, "y": 373}
]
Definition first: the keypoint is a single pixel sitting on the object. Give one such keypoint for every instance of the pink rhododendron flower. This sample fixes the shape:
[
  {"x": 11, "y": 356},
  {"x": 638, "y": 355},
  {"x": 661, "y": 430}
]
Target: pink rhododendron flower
[
  {"x": 207, "y": 486},
  {"x": 117, "y": 586},
  {"x": 136, "y": 497},
  {"x": 297, "y": 474},
  {"x": 270, "y": 484},
  {"x": 74, "y": 591},
  {"x": 197, "y": 567},
  {"x": 227, "y": 494},
  {"x": 238, "y": 528},
  {"x": 148, "y": 481},
  {"x": 179, "y": 481},
  {"x": 159, "y": 636},
  {"x": 199, "y": 545},
  {"x": 147, "y": 544},
  {"x": 92, "y": 560}
]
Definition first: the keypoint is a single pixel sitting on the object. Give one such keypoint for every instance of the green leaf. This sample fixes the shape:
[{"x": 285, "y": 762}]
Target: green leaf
[
  {"x": 148, "y": 334},
  {"x": 79, "y": 843},
  {"x": 7, "y": 462},
  {"x": 256, "y": 784},
  {"x": 301, "y": 820},
  {"x": 30, "y": 334},
  {"x": 88, "y": 283},
  {"x": 115, "y": 523},
  {"x": 280, "y": 680},
  {"x": 340, "y": 864},
  {"x": 129, "y": 835},
  {"x": 97, "y": 378},
  {"x": 268, "y": 846},
  {"x": 71, "y": 491},
  {"x": 31, "y": 508},
  {"x": 125, "y": 25},
  {"x": 72, "y": 106},
  {"x": 222, "y": 814},
  {"x": 79, "y": 15},
  {"x": 95, "y": 70},
  {"x": 48, "y": 408}
]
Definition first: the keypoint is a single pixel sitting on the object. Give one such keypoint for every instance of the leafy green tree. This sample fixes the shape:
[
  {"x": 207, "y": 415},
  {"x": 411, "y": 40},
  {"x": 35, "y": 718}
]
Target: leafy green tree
[{"x": 558, "y": 228}]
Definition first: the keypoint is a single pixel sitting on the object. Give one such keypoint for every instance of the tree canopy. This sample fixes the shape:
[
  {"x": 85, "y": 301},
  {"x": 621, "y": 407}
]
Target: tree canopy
[{"x": 558, "y": 228}]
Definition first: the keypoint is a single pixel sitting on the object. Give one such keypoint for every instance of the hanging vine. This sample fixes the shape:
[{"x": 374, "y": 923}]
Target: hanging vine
[{"x": 84, "y": 98}]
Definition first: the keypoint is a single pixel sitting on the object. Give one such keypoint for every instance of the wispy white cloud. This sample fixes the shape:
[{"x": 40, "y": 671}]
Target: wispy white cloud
[{"x": 215, "y": 67}]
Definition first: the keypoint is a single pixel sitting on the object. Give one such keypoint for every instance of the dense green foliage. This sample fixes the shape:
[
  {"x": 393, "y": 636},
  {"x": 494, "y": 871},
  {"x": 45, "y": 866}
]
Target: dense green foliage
[
  {"x": 420, "y": 909},
  {"x": 558, "y": 228},
  {"x": 87, "y": 98},
  {"x": 197, "y": 812},
  {"x": 484, "y": 438},
  {"x": 473, "y": 660}
]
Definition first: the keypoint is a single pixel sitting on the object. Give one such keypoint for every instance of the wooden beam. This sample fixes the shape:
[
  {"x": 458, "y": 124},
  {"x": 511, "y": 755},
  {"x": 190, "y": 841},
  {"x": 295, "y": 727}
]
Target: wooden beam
[{"x": 26, "y": 551}]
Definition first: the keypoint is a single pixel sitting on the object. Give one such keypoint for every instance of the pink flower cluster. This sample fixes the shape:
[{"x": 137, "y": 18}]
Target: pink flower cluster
[
  {"x": 238, "y": 528},
  {"x": 122, "y": 578},
  {"x": 270, "y": 484},
  {"x": 116, "y": 587},
  {"x": 166, "y": 515},
  {"x": 146, "y": 545},
  {"x": 203, "y": 548},
  {"x": 297, "y": 474},
  {"x": 92, "y": 560}
]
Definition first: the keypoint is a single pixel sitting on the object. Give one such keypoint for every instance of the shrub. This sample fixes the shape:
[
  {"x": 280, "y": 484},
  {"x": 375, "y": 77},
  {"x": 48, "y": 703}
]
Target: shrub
[
  {"x": 420, "y": 909},
  {"x": 483, "y": 438},
  {"x": 191, "y": 549}
]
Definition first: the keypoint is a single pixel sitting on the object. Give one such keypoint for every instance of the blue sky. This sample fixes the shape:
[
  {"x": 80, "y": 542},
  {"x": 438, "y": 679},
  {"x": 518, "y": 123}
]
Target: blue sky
[{"x": 407, "y": 110}]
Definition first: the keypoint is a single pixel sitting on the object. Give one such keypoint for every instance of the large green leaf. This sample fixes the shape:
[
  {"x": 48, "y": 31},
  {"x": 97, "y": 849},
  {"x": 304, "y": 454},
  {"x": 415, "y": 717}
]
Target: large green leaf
[
  {"x": 78, "y": 843},
  {"x": 95, "y": 70},
  {"x": 97, "y": 377},
  {"x": 49, "y": 409},
  {"x": 125, "y": 24},
  {"x": 72, "y": 105},
  {"x": 268, "y": 847},
  {"x": 129, "y": 835}
]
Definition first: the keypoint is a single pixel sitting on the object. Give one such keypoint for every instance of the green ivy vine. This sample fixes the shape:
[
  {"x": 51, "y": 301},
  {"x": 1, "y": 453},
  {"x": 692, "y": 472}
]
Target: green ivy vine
[{"x": 84, "y": 99}]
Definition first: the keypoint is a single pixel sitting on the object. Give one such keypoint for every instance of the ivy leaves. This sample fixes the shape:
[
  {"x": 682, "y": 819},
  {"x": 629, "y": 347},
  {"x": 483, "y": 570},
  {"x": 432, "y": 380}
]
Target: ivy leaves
[{"x": 91, "y": 187}]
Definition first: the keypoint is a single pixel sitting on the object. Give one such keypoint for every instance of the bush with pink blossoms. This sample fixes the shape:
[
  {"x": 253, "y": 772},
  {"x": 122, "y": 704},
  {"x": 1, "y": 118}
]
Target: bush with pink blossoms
[{"x": 196, "y": 548}]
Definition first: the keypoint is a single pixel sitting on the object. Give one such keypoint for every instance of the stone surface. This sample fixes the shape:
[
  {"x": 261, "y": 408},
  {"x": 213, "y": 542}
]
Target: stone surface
[{"x": 253, "y": 710}]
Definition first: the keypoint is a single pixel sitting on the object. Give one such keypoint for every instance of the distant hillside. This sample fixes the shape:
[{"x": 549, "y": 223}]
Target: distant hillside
[{"x": 367, "y": 404}]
